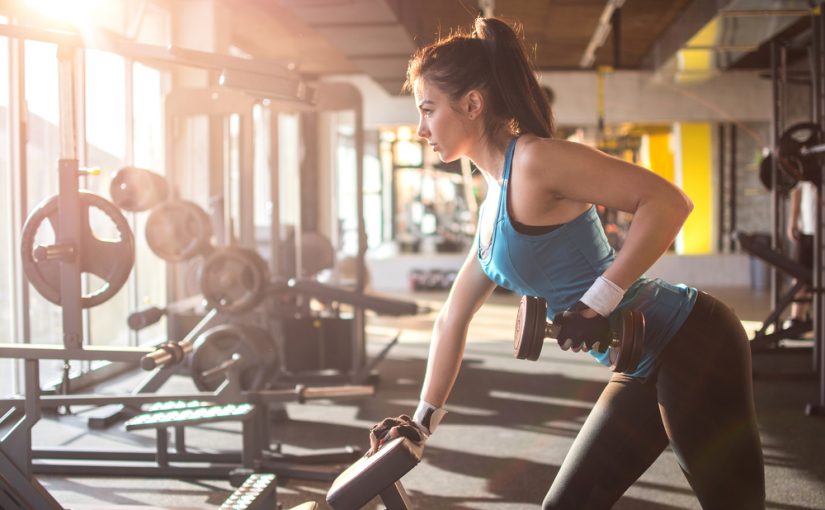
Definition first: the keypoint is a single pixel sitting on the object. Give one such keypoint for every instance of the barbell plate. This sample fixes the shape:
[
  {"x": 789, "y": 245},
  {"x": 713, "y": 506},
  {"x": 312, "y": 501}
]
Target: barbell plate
[
  {"x": 219, "y": 344},
  {"x": 178, "y": 230},
  {"x": 137, "y": 189},
  {"x": 109, "y": 259},
  {"x": 785, "y": 180},
  {"x": 234, "y": 279},
  {"x": 804, "y": 167}
]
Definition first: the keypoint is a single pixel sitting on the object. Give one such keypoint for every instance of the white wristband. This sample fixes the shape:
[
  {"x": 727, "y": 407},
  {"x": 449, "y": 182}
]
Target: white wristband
[
  {"x": 603, "y": 296},
  {"x": 428, "y": 416}
]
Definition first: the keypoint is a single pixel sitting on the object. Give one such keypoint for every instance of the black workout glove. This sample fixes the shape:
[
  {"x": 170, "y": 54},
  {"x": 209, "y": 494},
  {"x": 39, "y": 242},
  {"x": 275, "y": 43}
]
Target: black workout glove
[
  {"x": 579, "y": 332},
  {"x": 390, "y": 428}
]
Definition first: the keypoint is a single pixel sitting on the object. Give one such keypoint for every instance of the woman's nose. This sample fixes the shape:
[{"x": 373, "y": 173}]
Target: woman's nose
[{"x": 423, "y": 132}]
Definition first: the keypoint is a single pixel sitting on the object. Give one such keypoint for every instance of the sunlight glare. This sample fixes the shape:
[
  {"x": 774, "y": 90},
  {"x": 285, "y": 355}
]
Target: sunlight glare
[{"x": 76, "y": 12}]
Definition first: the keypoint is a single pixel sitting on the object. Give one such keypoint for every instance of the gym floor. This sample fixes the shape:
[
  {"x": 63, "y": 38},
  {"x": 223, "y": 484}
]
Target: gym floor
[{"x": 510, "y": 424}]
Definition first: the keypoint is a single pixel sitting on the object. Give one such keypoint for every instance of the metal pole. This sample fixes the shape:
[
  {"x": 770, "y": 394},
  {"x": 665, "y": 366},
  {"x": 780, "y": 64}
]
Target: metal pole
[
  {"x": 274, "y": 193},
  {"x": 21, "y": 323},
  {"x": 777, "y": 79},
  {"x": 722, "y": 203},
  {"x": 734, "y": 133},
  {"x": 360, "y": 351},
  {"x": 134, "y": 286},
  {"x": 818, "y": 84},
  {"x": 246, "y": 164},
  {"x": 68, "y": 232}
]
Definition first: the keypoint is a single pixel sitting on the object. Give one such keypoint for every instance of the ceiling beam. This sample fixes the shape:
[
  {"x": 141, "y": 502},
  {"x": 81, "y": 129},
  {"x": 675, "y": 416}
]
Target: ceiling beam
[{"x": 693, "y": 18}]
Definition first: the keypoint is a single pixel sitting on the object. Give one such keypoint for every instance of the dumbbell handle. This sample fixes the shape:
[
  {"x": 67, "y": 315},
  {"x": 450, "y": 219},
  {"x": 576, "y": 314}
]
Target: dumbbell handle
[
  {"x": 552, "y": 331},
  {"x": 145, "y": 318},
  {"x": 173, "y": 352}
]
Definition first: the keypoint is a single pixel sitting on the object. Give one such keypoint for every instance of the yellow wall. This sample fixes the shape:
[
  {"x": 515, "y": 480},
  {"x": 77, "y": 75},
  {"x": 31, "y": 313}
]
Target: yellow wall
[
  {"x": 694, "y": 145},
  {"x": 661, "y": 155}
]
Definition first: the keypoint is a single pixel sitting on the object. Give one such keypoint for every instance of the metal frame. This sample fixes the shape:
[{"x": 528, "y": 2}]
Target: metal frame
[
  {"x": 332, "y": 97},
  {"x": 19, "y": 415},
  {"x": 818, "y": 87},
  {"x": 779, "y": 80}
]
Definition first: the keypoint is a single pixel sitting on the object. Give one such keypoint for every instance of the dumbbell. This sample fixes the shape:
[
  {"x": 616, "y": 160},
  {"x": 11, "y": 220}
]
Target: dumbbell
[{"x": 532, "y": 327}]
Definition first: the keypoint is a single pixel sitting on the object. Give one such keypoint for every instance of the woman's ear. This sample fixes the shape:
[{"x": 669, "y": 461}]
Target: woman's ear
[{"x": 474, "y": 104}]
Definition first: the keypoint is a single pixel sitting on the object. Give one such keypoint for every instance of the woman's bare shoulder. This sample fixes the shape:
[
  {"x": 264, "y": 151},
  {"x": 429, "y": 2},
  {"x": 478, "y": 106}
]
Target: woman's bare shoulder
[{"x": 535, "y": 155}]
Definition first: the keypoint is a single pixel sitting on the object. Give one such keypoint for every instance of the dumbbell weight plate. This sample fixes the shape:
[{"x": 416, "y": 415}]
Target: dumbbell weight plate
[
  {"x": 625, "y": 356},
  {"x": 137, "y": 189},
  {"x": 619, "y": 354},
  {"x": 530, "y": 328},
  {"x": 178, "y": 230}
]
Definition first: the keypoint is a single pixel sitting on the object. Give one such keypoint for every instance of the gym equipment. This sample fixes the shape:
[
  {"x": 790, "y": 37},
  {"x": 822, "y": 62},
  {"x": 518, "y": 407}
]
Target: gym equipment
[
  {"x": 803, "y": 275},
  {"x": 145, "y": 318},
  {"x": 23, "y": 413},
  {"x": 151, "y": 315},
  {"x": 532, "y": 328},
  {"x": 258, "y": 491},
  {"x": 178, "y": 230},
  {"x": 378, "y": 474},
  {"x": 431, "y": 279},
  {"x": 785, "y": 181},
  {"x": 233, "y": 279},
  {"x": 251, "y": 348},
  {"x": 381, "y": 305},
  {"x": 108, "y": 259},
  {"x": 137, "y": 189},
  {"x": 317, "y": 343},
  {"x": 317, "y": 254},
  {"x": 794, "y": 153},
  {"x": 799, "y": 157}
]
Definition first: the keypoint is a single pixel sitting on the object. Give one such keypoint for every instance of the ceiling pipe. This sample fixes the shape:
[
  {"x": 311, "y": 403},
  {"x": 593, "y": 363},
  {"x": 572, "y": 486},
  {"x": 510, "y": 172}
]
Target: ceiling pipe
[
  {"x": 601, "y": 32},
  {"x": 487, "y": 7}
]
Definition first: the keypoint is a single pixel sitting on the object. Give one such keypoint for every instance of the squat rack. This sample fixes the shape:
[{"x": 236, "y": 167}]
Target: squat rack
[
  {"x": 20, "y": 488},
  {"x": 779, "y": 79}
]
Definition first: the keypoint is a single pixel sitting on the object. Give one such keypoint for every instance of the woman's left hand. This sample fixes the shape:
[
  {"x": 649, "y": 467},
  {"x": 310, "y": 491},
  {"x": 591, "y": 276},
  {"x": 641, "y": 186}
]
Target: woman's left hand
[{"x": 391, "y": 428}]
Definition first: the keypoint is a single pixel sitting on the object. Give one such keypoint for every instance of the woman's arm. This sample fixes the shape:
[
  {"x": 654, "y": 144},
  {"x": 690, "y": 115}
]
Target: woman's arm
[
  {"x": 572, "y": 171},
  {"x": 793, "y": 220},
  {"x": 469, "y": 291}
]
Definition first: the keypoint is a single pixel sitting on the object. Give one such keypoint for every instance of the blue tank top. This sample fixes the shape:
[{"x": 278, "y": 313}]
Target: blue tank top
[{"x": 562, "y": 264}]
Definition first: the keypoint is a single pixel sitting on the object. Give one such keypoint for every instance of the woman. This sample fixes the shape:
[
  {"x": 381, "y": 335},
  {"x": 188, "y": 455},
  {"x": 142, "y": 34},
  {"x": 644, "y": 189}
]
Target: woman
[{"x": 539, "y": 235}]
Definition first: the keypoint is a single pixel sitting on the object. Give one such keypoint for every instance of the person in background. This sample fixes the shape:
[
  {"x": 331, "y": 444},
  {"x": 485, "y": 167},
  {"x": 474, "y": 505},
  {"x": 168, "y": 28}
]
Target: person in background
[{"x": 801, "y": 228}]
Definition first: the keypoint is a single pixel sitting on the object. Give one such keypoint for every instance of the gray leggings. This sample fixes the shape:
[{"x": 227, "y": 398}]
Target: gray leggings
[{"x": 699, "y": 401}]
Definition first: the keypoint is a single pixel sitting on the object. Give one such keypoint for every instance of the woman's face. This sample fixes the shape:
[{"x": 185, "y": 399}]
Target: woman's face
[{"x": 442, "y": 123}]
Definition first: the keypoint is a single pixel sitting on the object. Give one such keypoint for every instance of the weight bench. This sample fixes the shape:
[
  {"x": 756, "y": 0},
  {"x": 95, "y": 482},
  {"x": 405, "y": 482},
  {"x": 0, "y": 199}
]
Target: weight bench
[
  {"x": 377, "y": 475},
  {"x": 804, "y": 277},
  {"x": 257, "y": 492},
  {"x": 183, "y": 415}
]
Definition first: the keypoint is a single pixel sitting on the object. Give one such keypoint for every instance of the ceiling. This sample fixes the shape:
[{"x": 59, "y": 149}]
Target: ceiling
[{"x": 376, "y": 37}]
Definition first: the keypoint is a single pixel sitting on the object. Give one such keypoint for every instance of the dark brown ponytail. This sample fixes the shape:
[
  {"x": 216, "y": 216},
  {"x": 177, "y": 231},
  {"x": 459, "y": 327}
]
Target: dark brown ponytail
[{"x": 494, "y": 61}]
